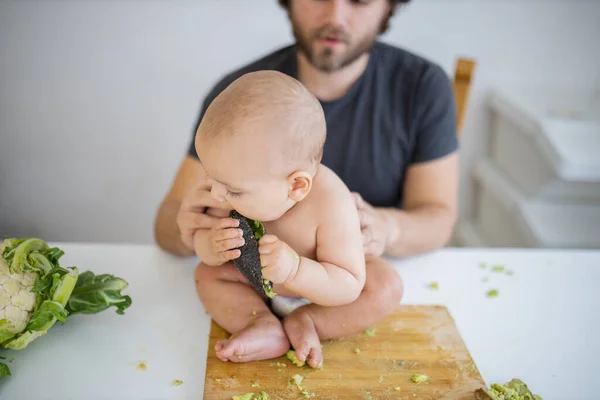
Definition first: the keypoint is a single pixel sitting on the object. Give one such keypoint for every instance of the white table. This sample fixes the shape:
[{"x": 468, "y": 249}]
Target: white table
[{"x": 541, "y": 328}]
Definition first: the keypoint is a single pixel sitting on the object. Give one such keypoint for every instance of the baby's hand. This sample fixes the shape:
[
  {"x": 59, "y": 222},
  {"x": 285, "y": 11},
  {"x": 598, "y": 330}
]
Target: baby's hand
[
  {"x": 225, "y": 237},
  {"x": 278, "y": 260}
]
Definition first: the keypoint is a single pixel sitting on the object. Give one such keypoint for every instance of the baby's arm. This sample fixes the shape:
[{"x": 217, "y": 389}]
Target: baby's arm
[{"x": 337, "y": 276}]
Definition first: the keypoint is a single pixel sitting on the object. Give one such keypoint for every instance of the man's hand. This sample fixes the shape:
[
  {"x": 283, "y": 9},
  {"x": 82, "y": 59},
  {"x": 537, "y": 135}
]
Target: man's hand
[
  {"x": 220, "y": 244},
  {"x": 375, "y": 226},
  {"x": 279, "y": 262},
  {"x": 192, "y": 213}
]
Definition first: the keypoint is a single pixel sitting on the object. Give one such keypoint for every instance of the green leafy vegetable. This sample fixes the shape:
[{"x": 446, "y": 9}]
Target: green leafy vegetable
[
  {"x": 96, "y": 293},
  {"x": 4, "y": 371},
  {"x": 36, "y": 292}
]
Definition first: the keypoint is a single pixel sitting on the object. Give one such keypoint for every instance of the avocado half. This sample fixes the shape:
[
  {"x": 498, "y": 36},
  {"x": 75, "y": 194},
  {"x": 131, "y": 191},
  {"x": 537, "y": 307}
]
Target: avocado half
[{"x": 249, "y": 261}]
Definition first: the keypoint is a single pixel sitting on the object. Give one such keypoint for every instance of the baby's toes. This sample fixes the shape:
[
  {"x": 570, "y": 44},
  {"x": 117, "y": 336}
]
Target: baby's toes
[
  {"x": 220, "y": 350},
  {"x": 315, "y": 357},
  {"x": 302, "y": 352},
  {"x": 229, "y": 348}
]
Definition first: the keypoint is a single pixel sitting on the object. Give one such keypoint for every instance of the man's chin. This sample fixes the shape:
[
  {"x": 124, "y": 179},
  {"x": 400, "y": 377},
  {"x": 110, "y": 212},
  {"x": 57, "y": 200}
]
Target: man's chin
[{"x": 327, "y": 63}]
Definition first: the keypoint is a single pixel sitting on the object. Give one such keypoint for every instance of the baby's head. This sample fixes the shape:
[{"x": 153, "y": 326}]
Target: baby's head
[{"x": 261, "y": 142}]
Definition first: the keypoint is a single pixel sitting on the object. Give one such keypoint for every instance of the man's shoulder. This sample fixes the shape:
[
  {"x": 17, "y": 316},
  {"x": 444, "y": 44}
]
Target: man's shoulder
[{"x": 278, "y": 60}]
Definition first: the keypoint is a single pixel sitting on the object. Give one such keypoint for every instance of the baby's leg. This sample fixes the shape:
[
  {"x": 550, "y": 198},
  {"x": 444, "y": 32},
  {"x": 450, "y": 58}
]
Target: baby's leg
[
  {"x": 309, "y": 324},
  {"x": 256, "y": 333}
]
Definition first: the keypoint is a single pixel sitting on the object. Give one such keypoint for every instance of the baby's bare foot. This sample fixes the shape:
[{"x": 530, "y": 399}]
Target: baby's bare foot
[
  {"x": 262, "y": 339},
  {"x": 303, "y": 336}
]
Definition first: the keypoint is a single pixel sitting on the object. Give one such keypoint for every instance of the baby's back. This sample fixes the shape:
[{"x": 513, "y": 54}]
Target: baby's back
[{"x": 328, "y": 202}]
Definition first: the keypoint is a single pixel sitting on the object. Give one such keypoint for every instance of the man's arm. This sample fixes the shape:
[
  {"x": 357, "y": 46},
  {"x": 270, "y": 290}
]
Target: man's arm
[
  {"x": 430, "y": 209},
  {"x": 182, "y": 210},
  {"x": 427, "y": 221}
]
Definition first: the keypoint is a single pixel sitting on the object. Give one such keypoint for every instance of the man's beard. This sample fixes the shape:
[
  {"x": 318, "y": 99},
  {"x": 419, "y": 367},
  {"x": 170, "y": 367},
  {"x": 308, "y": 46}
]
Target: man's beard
[{"x": 327, "y": 60}]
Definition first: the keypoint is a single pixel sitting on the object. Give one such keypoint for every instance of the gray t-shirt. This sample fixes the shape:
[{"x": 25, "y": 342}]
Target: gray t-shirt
[{"x": 401, "y": 111}]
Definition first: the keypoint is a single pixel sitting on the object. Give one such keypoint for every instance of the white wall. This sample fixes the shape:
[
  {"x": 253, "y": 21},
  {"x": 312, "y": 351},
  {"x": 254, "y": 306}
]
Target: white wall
[{"x": 97, "y": 98}]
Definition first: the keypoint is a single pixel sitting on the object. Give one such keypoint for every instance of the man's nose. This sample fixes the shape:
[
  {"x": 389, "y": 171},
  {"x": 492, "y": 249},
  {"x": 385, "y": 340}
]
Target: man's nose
[{"x": 336, "y": 12}]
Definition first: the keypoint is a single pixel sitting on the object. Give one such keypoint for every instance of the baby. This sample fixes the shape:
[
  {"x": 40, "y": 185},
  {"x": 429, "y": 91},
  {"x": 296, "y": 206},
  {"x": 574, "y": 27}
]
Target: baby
[{"x": 260, "y": 142}]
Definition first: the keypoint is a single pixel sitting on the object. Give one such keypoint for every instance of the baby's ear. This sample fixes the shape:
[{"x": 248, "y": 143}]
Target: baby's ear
[{"x": 300, "y": 183}]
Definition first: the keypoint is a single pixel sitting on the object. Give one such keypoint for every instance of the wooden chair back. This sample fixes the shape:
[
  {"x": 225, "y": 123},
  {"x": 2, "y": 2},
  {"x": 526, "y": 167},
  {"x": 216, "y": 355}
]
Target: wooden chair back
[{"x": 463, "y": 75}]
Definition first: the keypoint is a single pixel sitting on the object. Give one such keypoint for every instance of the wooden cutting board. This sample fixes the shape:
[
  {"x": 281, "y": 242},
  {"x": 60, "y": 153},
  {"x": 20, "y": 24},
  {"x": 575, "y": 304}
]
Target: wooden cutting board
[{"x": 413, "y": 340}]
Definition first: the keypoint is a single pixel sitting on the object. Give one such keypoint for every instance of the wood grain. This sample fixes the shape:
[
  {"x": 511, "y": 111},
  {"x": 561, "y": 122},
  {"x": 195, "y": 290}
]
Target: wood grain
[
  {"x": 415, "y": 339},
  {"x": 463, "y": 75}
]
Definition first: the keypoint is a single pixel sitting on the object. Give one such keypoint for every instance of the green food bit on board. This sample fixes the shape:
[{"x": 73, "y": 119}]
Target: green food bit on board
[
  {"x": 297, "y": 379},
  {"x": 177, "y": 382},
  {"x": 278, "y": 364},
  {"x": 357, "y": 350},
  {"x": 291, "y": 355},
  {"x": 252, "y": 396},
  {"x": 307, "y": 394},
  {"x": 482, "y": 265},
  {"x": 419, "y": 378},
  {"x": 492, "y": 293},
  {"x": 371, "y": 332},
  {"x": 433, "y": 285},
  {"x": 498, "y": 268}
]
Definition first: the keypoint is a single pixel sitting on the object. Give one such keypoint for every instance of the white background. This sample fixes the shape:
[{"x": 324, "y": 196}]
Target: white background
[{"x": 98, "y": 98}]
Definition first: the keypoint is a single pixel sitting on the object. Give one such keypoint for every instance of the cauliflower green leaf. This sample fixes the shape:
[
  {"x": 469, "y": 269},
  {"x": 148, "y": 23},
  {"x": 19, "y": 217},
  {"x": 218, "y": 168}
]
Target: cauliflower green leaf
[
  {"x": 36, "y": 292},
  {"x": 96, "y": 293}
]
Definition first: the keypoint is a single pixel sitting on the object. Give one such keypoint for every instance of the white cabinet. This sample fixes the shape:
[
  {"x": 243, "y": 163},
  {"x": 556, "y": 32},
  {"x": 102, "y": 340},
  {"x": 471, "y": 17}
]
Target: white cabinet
[
  {"x": 539, "y": 186},
  {"x": 550, "y": 151}
]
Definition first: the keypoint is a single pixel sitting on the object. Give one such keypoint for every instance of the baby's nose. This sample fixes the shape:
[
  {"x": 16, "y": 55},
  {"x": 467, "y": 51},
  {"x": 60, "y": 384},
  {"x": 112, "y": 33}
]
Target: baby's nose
[{"x": 217, "y": 192}]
